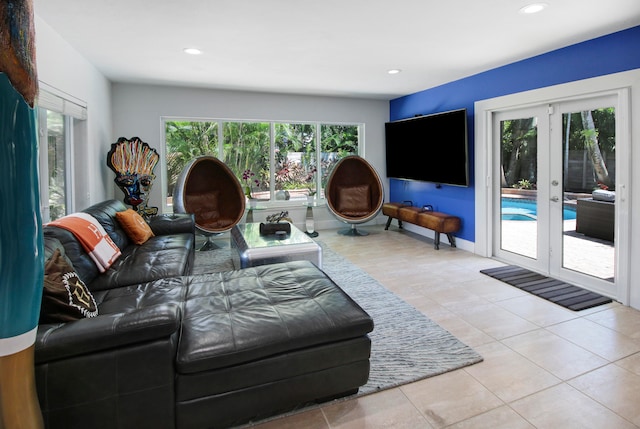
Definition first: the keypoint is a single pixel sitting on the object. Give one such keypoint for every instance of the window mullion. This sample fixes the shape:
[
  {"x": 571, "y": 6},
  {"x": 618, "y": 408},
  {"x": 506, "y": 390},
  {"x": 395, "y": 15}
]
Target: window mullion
[
  {"x": 319, "y": 189},
  {"x": 43, "y": 164},
  {"x": 68, "y": 163},
  {"x": 272, "y": 160},
  {"x": 220, "y": 140}
]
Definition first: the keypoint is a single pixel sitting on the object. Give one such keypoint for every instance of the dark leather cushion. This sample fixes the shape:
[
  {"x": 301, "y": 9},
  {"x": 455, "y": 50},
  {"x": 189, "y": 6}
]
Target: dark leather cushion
[
  {"x": 80, "y": 259},
  {"x": 127, "y": 316},
  {"x": 174, "y": 223},
  {"x": 159, "y": 257},
  {"x": 105, "y": 213},
  {"x": 234, "y": 317}
]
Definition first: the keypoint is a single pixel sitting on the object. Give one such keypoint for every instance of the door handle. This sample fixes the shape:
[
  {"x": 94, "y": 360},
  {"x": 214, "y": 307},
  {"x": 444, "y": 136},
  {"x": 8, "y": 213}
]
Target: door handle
[{"x": 555, "y": 199}]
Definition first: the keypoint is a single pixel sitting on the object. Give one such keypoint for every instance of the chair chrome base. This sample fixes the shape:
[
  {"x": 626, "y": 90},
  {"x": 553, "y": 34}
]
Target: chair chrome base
[
  {"x": 353, "y": 232},
  {"x": 209, "y": 244}
]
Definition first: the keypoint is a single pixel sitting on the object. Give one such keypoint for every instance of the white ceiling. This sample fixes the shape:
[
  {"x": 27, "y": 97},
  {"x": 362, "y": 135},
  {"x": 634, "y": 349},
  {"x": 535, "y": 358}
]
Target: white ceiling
[{"x": 329, "y": 47}]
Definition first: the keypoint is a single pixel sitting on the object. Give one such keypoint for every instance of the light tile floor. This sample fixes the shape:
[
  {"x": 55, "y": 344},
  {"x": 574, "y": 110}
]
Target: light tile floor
[{"x": 544, "y": 366}]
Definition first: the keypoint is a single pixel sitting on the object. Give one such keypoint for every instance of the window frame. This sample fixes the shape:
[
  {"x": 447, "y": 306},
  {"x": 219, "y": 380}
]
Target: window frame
[
  {"x": 74, "y": 112},
  {"x": 272, "y": 202}
]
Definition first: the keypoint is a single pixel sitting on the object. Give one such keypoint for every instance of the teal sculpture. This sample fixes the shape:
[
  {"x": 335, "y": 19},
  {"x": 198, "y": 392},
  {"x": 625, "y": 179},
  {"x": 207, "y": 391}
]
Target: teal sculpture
[
  {"x": 21, "y": 245},
  {"x": 21, "y": 253}
]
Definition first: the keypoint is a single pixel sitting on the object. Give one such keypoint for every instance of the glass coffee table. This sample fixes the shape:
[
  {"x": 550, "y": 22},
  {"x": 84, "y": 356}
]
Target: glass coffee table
[{"x": 253, "y": 249}]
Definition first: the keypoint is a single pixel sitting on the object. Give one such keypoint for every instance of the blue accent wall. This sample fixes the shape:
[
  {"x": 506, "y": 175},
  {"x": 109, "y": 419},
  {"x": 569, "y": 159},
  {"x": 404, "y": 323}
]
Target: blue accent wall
[{"x": 609, "y": 54}]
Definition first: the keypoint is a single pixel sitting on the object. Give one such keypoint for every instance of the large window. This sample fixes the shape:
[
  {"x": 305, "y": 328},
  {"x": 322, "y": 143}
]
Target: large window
[
  {"x": 273, "y": 160},
  {"x": 57, "y": 118},
  {"x": 54, "y": 143}
]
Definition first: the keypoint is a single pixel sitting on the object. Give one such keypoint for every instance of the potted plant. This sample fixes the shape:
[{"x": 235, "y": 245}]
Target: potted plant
[
  {"x": 248, "y": 182},
  {"x": 311, "y": 186}
]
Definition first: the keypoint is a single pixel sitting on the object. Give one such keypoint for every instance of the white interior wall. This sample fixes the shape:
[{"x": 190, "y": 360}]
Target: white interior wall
[
  {"x": 138, "y": 111},
  {"x": 63, "y": 68}
]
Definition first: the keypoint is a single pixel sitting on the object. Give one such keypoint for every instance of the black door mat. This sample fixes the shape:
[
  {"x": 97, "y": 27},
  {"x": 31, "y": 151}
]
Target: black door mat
[{"x": 561, "y": 293}]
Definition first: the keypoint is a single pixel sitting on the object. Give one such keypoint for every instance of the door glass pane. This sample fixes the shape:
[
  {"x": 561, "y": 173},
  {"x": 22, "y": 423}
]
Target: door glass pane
[
  {"x": 518, "y": 202},
  {"x": 589, "y": 151},
  {"x": 56, "y": 138}
]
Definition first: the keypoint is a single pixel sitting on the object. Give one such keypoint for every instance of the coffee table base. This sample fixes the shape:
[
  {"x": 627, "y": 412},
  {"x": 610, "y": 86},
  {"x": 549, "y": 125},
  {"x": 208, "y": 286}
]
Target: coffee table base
[{"x": 252, "y": 249}]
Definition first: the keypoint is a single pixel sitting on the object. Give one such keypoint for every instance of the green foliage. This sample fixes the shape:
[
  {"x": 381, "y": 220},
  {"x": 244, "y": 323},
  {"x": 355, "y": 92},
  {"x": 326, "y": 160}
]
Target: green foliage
[
  {"x": 605, "y": 123},
  {"x": 340, "y": 139},
  {"x": 519, "y": 150},
  {"x": 246, "y": 147},
  {"x": 524, "y": 184},
  {"x": 519, "y": 143},
  {"x": 186, "y": 141}
]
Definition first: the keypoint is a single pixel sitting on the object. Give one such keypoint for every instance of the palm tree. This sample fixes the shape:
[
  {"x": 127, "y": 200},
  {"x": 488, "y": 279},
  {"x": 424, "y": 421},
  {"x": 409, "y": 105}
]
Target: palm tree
[{"x": 590, "y": 136}]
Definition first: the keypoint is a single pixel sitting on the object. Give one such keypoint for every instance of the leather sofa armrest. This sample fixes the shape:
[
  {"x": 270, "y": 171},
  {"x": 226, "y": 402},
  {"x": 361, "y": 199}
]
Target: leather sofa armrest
[
  {"x": 103, "y": 332},
  {"x": 166, "y": 224}
]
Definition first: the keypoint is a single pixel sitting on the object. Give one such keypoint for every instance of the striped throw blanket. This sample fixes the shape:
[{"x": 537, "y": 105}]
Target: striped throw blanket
[{"x": 94, "y": 239}]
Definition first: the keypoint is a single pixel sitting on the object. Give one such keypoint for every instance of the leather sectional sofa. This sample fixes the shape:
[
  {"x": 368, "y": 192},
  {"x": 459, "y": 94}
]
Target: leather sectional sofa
[{"x": 172, "y": 350}]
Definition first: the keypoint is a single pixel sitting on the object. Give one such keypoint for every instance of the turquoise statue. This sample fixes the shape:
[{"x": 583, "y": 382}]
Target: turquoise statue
[
  {"x": 21, "y": 244},
  {"x": 21, "y": 254}
]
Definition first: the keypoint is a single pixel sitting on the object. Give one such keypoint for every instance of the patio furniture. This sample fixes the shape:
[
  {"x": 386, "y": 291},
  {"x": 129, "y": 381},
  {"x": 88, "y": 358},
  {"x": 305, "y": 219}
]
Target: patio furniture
[{"x": 596, "y": 218}]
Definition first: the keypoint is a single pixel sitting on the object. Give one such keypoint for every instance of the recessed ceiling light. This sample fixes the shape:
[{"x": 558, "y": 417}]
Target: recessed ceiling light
[
  {"x": 533, "y": 8},
  {"x": 394, "y": 71},
  {"x": 192, "y": 51}
]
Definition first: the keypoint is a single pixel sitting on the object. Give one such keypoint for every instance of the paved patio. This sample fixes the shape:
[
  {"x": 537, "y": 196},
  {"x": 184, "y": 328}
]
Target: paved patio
[{"x": 581, "y": 253}]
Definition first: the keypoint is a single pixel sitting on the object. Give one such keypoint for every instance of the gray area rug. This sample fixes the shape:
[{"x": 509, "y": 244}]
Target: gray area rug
[{"x": 406, "y": 346}]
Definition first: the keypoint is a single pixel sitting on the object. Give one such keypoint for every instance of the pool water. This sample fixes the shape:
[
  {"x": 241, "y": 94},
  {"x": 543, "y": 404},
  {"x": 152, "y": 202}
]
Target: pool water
[{"x": 520, "y": 209}]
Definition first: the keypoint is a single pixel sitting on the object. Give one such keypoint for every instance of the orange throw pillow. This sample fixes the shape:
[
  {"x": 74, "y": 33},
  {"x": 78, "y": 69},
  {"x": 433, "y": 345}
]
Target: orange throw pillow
[{"x": 137, "y": 229}]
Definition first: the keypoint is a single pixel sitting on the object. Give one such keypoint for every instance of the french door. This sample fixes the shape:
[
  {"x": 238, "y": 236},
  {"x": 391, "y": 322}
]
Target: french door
[{"x": 547, "y": 161}]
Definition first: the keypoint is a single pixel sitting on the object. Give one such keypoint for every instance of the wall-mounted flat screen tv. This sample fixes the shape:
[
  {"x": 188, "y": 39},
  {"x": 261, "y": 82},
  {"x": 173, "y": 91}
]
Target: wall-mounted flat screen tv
[{"x": 429, "y": 148}]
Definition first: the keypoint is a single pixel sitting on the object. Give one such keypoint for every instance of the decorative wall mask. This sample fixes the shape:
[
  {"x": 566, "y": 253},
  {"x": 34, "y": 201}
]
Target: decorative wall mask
[{"x": 133, "y": 162}]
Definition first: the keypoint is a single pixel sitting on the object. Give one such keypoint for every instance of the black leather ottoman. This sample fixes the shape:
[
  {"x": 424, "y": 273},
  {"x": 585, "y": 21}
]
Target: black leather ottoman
[{"x": 267, "y": 339}]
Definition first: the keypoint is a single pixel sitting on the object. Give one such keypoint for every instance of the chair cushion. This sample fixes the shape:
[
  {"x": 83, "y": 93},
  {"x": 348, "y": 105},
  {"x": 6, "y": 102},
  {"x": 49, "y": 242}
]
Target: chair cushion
[
  {"x": 354, "y": 200},
  {"x": 205, "y": 207},
  {"x": 137, "y": 229}
]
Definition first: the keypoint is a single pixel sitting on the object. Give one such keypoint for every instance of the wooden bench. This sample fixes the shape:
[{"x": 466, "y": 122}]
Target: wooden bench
[{"x": 435, "y": 221}]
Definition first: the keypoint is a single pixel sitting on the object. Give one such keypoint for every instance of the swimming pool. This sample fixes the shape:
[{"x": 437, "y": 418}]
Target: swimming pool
[{"x": 521, "y": 209}]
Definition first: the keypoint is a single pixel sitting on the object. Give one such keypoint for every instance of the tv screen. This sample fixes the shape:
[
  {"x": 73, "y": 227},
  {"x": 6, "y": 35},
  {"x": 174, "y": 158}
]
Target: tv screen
[{"x": 430, "y": 148}]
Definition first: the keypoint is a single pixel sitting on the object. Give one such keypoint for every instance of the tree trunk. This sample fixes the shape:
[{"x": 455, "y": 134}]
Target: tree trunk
[
  {"x": 514, "y": 164},
  {"x": 593, "y": 148}
]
